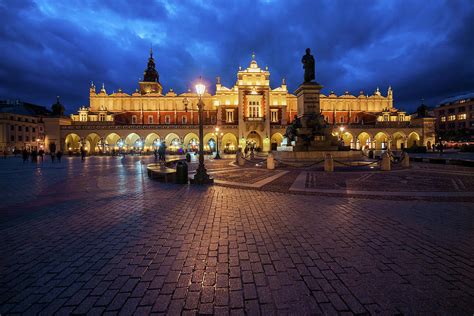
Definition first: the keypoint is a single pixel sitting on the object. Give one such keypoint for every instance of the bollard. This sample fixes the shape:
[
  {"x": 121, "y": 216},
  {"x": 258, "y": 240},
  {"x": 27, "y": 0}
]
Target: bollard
[
  {"x": 270, "y": 162},
  {"x": 240, "y": 158},
  {"x": 386, "y": 163},
  {"x": 328, "y": 163},
  {"x": 405, "y": 159}
]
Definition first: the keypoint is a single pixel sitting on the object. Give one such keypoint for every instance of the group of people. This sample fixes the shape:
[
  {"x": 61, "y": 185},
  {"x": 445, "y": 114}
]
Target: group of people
[
  {"x": 160, "y": 153},
  {"x": 35, "y": 154}
]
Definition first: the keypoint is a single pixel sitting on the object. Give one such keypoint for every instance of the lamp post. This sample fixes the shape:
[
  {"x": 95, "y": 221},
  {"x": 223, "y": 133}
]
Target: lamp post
[
  {"x": 218, "y": 156},
  {"x": 201, "y": 176}
]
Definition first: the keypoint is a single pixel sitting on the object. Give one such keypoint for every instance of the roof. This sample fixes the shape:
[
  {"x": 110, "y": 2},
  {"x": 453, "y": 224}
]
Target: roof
[
  {"x": 23, "y": 108},
  {"x": 469, "y": 95}
]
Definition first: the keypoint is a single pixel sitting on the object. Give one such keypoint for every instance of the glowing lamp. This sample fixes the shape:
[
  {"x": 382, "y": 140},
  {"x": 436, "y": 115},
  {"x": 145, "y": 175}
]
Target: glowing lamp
[{"x": 200, "y": 89}]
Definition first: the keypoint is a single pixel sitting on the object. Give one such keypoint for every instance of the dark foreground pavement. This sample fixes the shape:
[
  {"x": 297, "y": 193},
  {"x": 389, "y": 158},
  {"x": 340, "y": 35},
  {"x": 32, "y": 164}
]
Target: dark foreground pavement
[{"x": 99, "y": 237}]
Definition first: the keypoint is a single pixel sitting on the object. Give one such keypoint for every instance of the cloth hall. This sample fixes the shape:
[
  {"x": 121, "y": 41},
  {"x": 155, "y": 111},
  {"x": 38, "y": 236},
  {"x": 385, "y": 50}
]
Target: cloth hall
[{"x": 251, "y": 113}]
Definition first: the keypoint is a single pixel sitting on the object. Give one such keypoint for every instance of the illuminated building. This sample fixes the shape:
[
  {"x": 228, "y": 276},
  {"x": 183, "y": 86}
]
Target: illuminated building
[{"x": 250, "y": 113}]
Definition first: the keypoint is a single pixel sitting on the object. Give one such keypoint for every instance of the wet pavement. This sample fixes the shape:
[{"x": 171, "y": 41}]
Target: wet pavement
[{"x": 99, "y": 237}]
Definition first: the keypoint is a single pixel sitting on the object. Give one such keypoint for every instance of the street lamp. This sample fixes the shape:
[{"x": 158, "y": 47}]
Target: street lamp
[
  {"x": 218, "y": 156},
  {"x": 201, "y": 176}
]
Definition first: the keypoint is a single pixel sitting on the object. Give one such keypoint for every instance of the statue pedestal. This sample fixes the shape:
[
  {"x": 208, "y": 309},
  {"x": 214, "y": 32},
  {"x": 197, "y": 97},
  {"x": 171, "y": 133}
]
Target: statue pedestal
[{"x": 308, "y": 101}]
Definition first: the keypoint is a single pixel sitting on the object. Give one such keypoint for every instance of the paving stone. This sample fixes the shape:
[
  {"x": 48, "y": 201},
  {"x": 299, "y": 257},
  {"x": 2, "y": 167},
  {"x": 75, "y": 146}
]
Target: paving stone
[{"x": 113, "y": 241}]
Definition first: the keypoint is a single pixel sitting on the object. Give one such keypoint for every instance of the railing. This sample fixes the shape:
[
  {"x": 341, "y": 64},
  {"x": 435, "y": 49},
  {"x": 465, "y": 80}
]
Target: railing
[{"x": 140, "y": 126}]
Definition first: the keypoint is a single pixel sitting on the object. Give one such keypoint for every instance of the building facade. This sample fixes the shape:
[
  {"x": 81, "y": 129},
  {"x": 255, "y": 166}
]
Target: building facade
[
  {"x": 249, "y": 113},
  {"x": 455, "y": 118},
  {"x": 21, "y": 126}
]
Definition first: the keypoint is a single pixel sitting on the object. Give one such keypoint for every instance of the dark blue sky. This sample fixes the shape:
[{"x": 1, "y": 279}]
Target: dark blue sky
[{"x": 424, "y": 49}]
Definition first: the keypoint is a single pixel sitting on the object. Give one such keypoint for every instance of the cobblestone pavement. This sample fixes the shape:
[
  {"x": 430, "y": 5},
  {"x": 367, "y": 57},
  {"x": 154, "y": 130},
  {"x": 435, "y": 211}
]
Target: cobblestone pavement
[{"x": 100, "y": 238}]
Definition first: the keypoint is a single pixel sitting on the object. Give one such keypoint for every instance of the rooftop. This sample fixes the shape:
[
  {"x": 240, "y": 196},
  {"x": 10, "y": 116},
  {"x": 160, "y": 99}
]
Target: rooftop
[{"x": 469, "y": 95}]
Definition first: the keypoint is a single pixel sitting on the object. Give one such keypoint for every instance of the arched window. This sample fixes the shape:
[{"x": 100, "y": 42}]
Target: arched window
[
  {"x": 134, "y": 119},
  {"x": 184, "y": 119},
  {"x": 150, "y": 119}
]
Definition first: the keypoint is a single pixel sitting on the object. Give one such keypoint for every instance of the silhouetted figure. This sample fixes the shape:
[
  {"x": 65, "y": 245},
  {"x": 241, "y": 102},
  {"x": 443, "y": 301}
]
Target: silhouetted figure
[
  {"x": 155, "y": 153},
  {"x": 5, "y": 153},
  {"x": 25, "y": 154},
  {"x": 83, "y": 153},
  {"x": 53, "y": 156},
  {"x": 34, "y": 156},
  {"x": 59, "y": 154},
  {"x": 41, "y": 154},
  {"x": 162, "y": 152}
]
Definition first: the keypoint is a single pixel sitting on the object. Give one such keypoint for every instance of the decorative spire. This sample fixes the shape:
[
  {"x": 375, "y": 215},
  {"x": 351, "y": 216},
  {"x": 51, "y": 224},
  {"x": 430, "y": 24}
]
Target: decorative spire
[
  {"x": 103, "y": 88},
  {"x": 253, "y": 56},
  {"x": 218, "y": 80},
  {"x": 150, "y": 74},
  {"x": 283, "y": 81}
]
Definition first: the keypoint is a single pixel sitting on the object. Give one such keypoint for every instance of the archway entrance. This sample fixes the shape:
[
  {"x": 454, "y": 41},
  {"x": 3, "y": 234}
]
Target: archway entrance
[{"x": 254, "y": 141}]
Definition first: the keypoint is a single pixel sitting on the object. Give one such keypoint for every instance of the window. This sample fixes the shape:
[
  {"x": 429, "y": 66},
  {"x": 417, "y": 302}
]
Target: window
[
  {"x": 254, "y": 109},
  {"x": 451, "y": 117},
  {"x": 341, "y": 119},
  {"x": 441, "y": 112},
  {"x": 19, "y": 128},
  {"x": 20, "y": 138},
  {"x": 150, "y": 119},
  {"x": 229, "y": 116},
  {"x": 274, "y": 115},
  {"x": 33, "y": 129},
  {"x": 385, "y": 118},
  {"x": 12, "y": 138},
  {"x": 401, "y": 117},
  {"x": 27, "y": 138},
  {"x": 443, "y": 118},
  {"x": 167, "y": 119},
  {"x": 184, "y": 119},
  {"x": 462, "y": 116},
  {"x": 12, "y": 127},
  {"x": 451, "y": 111},
  {"x": 27, "y": 129},
  {"x": 134, "y": 119},
  {"x": 83, "y": 117},
  {"x": 213, "y": 119},
  {"x": 356, "y": 119},
  {"x": 102, "y": 117},
  {"x": 462, "y": 109}
]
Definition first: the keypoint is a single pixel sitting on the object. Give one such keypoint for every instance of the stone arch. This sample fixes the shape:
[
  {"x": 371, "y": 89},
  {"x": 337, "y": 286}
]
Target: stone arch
[
  {"x": 381, "y": 140},
  {"x": 173, "y": 142},
  {"x": 348, "y": 139},
  {"x": 398, "y": 141},
  {"x": 413, "y": 139},
  {"x": 72, "y": 142},
  {"x": 229, "y": 143},
  {"x": 152, "y": 141},
  {"x": 209, "y": 142},
  {"x": 254, "y": 139},
  {"x": 93, "y": 143},
  {"x": 364, "y": 141},
  {"x": 276, "y": 138},
  {"x": 111, "y": 141},
  {"x": 191, "y": 142},
  {"x": 132, "y": 142}
]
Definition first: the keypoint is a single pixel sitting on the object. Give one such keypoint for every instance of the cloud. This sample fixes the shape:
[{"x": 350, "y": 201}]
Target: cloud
[{"x": 48, "y": 48}]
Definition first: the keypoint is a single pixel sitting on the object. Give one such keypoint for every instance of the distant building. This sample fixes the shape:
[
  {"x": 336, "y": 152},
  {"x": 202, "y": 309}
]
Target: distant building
[
  {"x": 21, "y": 125},
  {"x": 250, "y": 112},
  {"x": 455, "y": 118}
]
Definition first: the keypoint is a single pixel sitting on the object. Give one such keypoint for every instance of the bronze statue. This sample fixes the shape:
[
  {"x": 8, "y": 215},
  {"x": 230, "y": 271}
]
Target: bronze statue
[
  {"x": 308, "y": 66},
  {"x": 292, "y": 129}
]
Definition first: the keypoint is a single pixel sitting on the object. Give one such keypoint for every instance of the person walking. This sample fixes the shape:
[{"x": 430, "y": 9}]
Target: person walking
[
  {"x": 25, "y": 155},
  {"x": 59, "y": 155},
  {"x": 83, "y": 154},
  {"x": 53, "y": 156},
  {"x": 41, "y": 154}
]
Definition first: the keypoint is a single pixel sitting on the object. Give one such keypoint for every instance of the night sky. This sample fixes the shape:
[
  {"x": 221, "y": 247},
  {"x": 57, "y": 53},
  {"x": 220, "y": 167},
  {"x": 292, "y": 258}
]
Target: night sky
[{"x": 423, "y": 49}]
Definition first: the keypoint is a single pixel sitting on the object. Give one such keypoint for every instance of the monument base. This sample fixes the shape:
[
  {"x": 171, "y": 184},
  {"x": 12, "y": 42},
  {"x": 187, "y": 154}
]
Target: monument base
[{"x": 316, "y": 155}]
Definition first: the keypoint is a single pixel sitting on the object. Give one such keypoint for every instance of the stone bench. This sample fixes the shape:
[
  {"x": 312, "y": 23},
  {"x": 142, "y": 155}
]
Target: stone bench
[{"x": 161, "y": 173}]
